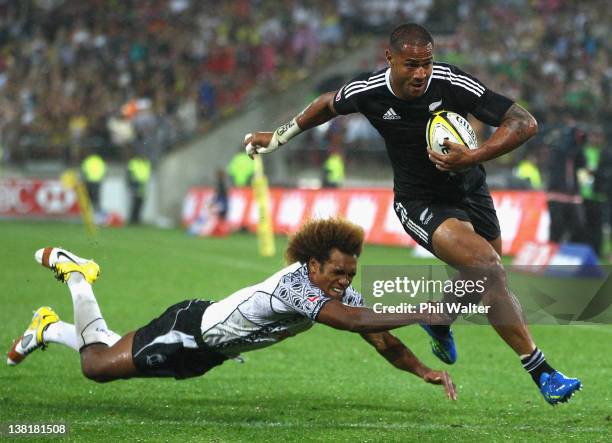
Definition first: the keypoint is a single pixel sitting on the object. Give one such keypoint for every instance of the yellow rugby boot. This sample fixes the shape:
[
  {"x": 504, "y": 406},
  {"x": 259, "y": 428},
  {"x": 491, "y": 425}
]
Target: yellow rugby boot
[
  {"x": 32, "y": 338},
  {"x": 63, "y": 263}
]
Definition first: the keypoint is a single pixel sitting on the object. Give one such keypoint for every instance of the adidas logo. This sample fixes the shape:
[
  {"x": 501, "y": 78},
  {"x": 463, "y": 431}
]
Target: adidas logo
[{"x": 391, "y": 115}]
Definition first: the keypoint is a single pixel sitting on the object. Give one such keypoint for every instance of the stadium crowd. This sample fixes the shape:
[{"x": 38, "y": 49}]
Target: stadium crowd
[{"x": 102, "y": 75}]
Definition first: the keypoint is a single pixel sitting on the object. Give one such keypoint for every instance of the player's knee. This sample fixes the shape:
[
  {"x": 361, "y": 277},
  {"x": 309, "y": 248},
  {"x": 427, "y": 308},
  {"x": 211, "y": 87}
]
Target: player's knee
[
  {"x": 489, "y": 267},
  {"x": 494, "y": 270},
  {"x": 91, "y": 374},
  {"x": 95, "y": 372}
]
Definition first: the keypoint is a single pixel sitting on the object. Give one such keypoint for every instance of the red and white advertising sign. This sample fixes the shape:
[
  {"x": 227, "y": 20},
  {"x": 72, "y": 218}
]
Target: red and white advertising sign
[
  {"x": 522, "y": 214},
  {"x": 36, "y": 198},
  {"x": 534, "y": 256}
]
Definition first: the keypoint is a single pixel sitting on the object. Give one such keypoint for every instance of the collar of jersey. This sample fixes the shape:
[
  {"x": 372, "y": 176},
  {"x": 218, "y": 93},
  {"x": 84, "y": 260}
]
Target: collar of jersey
[{"x": 388, "y": 81}]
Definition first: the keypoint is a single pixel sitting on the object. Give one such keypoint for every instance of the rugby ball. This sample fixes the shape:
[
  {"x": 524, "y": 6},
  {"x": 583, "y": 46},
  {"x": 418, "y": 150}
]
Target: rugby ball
[{"x": 449, "y": 125}]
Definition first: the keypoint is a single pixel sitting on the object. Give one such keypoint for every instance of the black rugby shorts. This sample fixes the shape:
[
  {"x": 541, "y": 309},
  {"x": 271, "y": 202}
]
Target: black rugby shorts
[
  {"x": 421, "y": 218},
  {"x": 172, "y": 344}
]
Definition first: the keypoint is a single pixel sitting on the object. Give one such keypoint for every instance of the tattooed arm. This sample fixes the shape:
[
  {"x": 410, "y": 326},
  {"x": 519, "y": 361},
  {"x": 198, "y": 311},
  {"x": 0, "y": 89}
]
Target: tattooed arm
[{"x": 516, "y": 127}]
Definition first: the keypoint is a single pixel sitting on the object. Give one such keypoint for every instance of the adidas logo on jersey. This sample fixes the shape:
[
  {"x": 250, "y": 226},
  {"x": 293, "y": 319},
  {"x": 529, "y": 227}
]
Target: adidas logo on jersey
[{"x": 391, "y": 115}]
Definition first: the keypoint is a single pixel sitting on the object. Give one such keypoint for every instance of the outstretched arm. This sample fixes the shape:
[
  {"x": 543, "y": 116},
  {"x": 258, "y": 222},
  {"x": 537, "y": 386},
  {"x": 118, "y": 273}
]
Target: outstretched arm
[
  {"x": 321, "y": 110},
  {"x": 516, "y": 127},
  {"x": 358, "y": 319},
  {"x": 400, "y": 356}
]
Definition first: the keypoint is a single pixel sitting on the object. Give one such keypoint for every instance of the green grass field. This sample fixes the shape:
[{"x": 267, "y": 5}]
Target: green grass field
[{"x": 323, "y": 385}]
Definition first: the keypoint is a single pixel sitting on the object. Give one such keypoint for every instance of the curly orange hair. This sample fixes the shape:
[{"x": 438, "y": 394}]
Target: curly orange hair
[{"x": 316, "y": 238}]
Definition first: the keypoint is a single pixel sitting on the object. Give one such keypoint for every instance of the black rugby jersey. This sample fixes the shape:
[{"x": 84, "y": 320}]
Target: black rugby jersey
[{"x": 402, "y": 124}]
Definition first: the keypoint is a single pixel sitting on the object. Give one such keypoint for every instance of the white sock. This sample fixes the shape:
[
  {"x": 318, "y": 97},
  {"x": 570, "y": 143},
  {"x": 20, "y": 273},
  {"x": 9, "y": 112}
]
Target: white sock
[
  {"x": 89, "y": 325},
  {"x": 62, "y": 333}
]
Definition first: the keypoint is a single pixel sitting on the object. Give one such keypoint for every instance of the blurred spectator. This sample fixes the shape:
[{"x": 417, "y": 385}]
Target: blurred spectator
[
  {"x": 565, "y": 158},
  {"x": 596, "y": 187},
  {"x": 241, "y": 169},
  {"x": 527, "y": 173},
  {"x": 333, "y": 170},
  {"x": 93, "y": 170},
  {"x": 212, "y": 219},
  {"x": 220, "y": 204},
  {"x": 139, "y": 174},
  {"x": 121, "y": 131}
]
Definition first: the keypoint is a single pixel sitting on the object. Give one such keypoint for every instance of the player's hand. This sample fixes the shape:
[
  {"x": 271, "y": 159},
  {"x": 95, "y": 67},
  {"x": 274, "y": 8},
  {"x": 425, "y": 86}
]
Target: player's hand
[
  {"x": 259, "y": 143},
  {"x": 442, "y": 378},
  {"x": 459, "y": 157}
]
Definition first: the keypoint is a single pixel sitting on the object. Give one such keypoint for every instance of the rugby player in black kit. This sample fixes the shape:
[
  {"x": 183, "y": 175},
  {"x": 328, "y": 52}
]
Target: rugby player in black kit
[{"x": 441, "y": 200}]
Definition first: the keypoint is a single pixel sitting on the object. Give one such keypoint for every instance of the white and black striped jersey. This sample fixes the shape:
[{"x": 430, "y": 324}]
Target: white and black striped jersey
[
  {"x": 281, "y": 306},
  {"x": 402, "y": 124}
]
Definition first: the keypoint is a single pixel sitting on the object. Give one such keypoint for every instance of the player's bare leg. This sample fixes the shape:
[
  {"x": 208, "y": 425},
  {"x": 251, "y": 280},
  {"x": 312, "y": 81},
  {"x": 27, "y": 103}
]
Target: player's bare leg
[
  {"x": 456, "y": 243},
  {"x": 99, "y": 362},
  {"x": 105, "y": 356},
  {"x": 103, "y": 363},
  {"x": 515, "y": 308}
]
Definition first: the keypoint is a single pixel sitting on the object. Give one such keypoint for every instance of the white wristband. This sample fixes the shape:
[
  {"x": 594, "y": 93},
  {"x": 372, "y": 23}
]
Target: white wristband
[
  {"x": 279, "y": 137},
  {"x": 286, "y": 132}
]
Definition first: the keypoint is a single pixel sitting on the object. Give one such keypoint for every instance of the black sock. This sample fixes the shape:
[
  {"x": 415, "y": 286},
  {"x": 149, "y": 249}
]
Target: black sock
[
  {"x": 441, "y": 330},
  {"x": 536, "y": 365}
]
